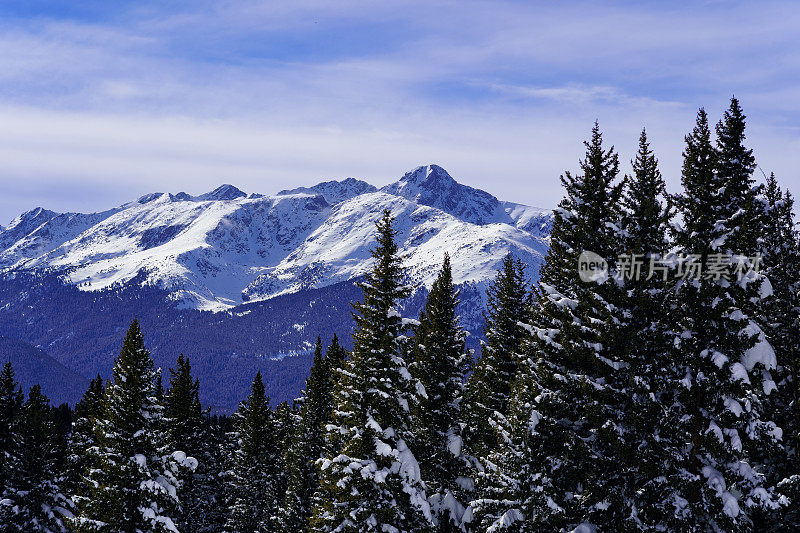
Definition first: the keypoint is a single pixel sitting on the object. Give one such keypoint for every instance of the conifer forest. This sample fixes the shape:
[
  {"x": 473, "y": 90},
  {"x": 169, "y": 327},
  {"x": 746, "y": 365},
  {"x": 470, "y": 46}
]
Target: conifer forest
[{"x": 654, "y": 386}]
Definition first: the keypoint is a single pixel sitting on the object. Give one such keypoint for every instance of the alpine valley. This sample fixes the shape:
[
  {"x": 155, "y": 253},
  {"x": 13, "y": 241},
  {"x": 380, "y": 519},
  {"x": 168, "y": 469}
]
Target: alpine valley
[{"x": 239, "y": 282}]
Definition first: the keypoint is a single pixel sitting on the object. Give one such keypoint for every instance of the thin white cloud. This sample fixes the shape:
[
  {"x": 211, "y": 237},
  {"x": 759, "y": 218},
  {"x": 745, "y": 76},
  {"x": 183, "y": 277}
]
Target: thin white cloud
[{"x": 272, "y": 95}]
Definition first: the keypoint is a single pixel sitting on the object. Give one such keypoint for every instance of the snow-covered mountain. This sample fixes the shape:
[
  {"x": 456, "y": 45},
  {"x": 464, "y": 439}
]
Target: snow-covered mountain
[
  {"x": 225, "y": 247},
  {"x": 335, "y": 191}
]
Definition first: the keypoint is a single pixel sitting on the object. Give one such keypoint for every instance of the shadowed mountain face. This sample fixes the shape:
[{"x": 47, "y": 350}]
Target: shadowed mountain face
[
  {"x": 169, "y": 257},
  {"x": 33, "y": 366}
]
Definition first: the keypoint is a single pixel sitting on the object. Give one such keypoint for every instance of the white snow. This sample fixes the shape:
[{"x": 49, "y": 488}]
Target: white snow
[
  {"x": 739, "y": 372},
  {"x": 185, "y": 461},
  {"x": 454, "y": 444},
  {"x": 509, "y": 518},
  {"x": 716, "y": 481},
  {"x": 733, "y": 406},
  {"x": 762, "y": 353},
  {"x": 213, "y": 250},
  {"x": 765, "y": 289},
  {"x": 719, "y": 358}
]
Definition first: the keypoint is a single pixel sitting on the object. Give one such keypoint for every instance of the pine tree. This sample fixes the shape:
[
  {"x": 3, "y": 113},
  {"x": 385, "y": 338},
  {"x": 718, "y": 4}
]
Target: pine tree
[
  {"x": 335, "y": 358},
  {"x": 286, "y": 420},
  {"x": 187, "y": 430},
  {"x": 82, "y": 438},
  {"x": 721, "y": 360},
  {"x": 11, "y": 401},
  {"x": 440, "y": 364},
  {"x": 645, "y": 216},
  {"x": 332, "y": 444},
  {"x": 735, "y": 164},
  {"x": 32, "y": 491},
  {"x": 373, "y": 484},
  {"x": 255, "y": 474},
  {"x": 561, "y": 437},
  {"x": 300, "y": 457},
  {"x": 782, "y": 326},
  {"x": 489, "y": 386},
  {"x": 308, "y": 442},
  {"x": 642, "y": 341},
  {"x": 132, "y": 482}
]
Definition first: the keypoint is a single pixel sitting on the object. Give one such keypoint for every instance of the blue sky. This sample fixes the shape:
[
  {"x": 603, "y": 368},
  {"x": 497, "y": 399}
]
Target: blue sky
[{"x": 101, "y": 102}]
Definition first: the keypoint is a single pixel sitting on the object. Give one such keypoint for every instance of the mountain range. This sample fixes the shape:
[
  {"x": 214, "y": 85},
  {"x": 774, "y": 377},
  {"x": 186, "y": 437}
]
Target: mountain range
[{"x": 235, "y": 261}]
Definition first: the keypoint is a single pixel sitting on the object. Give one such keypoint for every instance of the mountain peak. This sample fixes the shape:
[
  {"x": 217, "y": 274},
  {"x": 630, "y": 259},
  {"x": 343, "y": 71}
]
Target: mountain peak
[
  {"x": 223, "y": 192},
  {"x": 24, "y": 224},
  {"x": 147, "y": 198},
  {"x": 430, "y": 175},
  {"x": 38, "y": 212},
  {"x": 34, "y": 216},
  {"x": 433, "y": 186}
]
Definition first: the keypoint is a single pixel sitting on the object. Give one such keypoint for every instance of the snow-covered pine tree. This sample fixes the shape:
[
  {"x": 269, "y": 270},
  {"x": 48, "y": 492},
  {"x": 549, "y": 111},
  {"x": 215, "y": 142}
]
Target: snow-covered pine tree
[
  {"x": 646, "y": 213},
  {"x": 300, "y": 459},
  {"x": 32, "y": 490},
  {"x": 82, "y": 436},
  {"x": 11, "y": 401},
  {"x": 308, "y": 441},
  {"x": 735, "y": 164},
  {"x": 132, "y": 483},
  {"x": 286, "y": 419},
  {"x": 373, "y": 484},
  {"x": 557, "y": 467},
  {"x": 187, "y": 430},
  {"x": 721, "y": 361},
  {"x": 440, "y": 364},
  {"x": 253, "y": 481},
  {"x": 335, "y": 357},
  {"x": 642, "y": 340},
  {"x": 489, "y": 386},
  {"x": 781, "y": 323}
]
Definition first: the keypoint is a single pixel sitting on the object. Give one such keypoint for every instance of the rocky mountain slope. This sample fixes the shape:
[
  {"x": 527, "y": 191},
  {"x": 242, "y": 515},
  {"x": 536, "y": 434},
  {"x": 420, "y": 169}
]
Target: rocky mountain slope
[
  {"x": 244, "y": 282},
  {"x": 225, "y": 247}
]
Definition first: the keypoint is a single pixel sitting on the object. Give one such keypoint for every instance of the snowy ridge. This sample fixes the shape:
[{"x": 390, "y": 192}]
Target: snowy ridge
[
  {"x": 335, "y": 191},
  {"x": 219, "y": 249}
]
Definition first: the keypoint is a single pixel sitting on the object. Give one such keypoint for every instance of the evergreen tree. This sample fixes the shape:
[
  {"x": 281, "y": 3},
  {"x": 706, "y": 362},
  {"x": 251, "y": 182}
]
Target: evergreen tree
[
  {"x": 255, "y": 474},
  {"x": 88, "y": 408},
  {"x": 563, "y": 432},
  {"x": 645, "y": 214},
  {"x": 32, "y": 491},
  {"x": 440, "y": 365},
  {"x": 642, "y": 341},
  {"x": 781, "y": 319},
  {"x": 489, "y": 386},
  {"x": 721, "y": 361},
  {"x": 182, "y": 410},
  {"x": 335, "y": 359},
  {"x": 308, "y": 442},
  {"x": 132, "y": 482},
  {"x": 11, "y": 401},
  {"x": 373, "y": 483},
  {"x": 735, "y": 164},
  {"x": 187, "y": 430},
  {"x": 286, "y": 422}
]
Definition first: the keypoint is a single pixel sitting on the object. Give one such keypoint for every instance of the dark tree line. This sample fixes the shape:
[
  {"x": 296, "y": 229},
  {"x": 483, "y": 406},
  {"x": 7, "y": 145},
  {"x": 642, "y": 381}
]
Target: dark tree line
[{"x": 627, "y": 403}]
